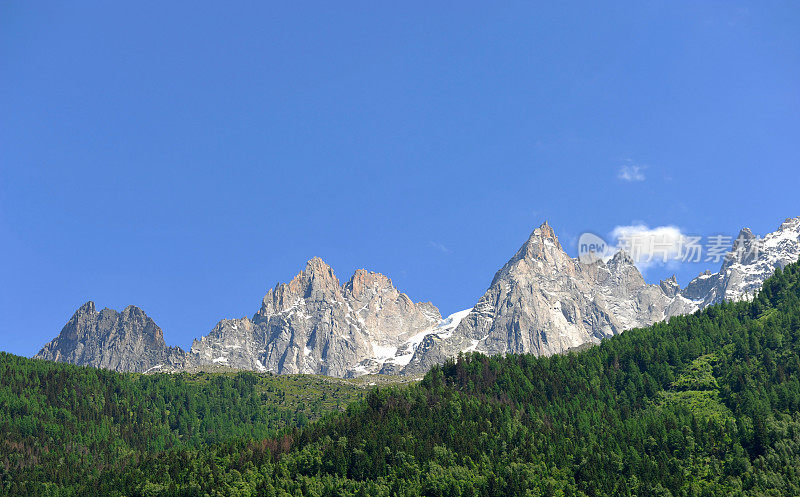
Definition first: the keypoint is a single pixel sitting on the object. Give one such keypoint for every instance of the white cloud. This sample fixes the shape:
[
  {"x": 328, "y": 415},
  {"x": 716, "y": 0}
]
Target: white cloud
[
  {"x": 441, "y": 248},
  {"x": 630, "y": 172},
  {"x": 648, "y": 247}
]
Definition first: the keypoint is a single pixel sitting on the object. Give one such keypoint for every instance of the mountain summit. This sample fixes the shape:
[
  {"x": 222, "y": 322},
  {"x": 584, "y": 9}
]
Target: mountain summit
[
  {"x": 313, "y": 324},
  {"x": 544, "y": 302},
  {"x": 124, "y": 341},
  {"x": 541, "y": 301},
  {"x": 747, "y": 265}
]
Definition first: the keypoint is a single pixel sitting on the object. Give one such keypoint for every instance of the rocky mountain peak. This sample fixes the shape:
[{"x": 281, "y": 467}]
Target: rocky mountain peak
[
  {"x": 125, "y": 341},
  {"x": 670, "y": 286},
  {"x": 621, "y": 259},
  {"x": 790, "y": 224},
  {"x": 314, "y": 325},
  {"x": 364, "y": 281},
  {"x": 544, "y": 302},
  {"x": 542, "y": 245},
  {"x": 317, "y": 266},
  {"x": 317, "y": 282},
  {"x": 546, "y": 231},
  {"x": 87, "y": 308},
  {"x": 744, "y": 249},
  {"x": 750, "y": 261},
  {"x": 137, "y": 317},
  {"x": 542, "y": 233},
  {"x": 317, "y": 276},
  {"x": 623, "y": 273}
]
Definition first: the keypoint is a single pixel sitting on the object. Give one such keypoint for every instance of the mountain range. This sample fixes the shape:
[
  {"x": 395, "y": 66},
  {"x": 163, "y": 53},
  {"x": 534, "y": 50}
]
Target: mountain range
[{"x": 541, "y": 301}]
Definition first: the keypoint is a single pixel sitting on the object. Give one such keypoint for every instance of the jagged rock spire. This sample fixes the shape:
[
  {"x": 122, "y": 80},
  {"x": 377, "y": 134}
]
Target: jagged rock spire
[
  {"x": 124, "y": 341},
  {"x": 315, "y": 325},
  {"x": 541, "y": 301}
]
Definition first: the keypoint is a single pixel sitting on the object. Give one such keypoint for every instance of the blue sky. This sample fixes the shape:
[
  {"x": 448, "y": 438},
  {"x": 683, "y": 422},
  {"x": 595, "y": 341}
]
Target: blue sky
[{"x": 187, "y": 156}]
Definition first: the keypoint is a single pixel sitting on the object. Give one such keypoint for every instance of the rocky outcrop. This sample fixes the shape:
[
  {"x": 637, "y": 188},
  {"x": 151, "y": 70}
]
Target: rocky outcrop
[
  {"x": 313, "y": 324},
  {"x": 122, "y": 341},
  {"x": 747, "y": 265},
  {"x": 544, "y": 302},
  {"x": 541, "y": 301}
]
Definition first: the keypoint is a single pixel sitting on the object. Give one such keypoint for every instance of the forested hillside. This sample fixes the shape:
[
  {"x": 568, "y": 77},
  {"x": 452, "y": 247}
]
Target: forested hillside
[
  {"x": 63, "y": 425},
  {"x": 706, "y": 404}
]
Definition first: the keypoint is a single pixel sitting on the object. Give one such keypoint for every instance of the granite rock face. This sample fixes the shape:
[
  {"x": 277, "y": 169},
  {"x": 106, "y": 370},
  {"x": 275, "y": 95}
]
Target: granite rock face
[
  {"x": 313, "y": 324},
  {"x": 541, "y": 301},
  {"x": 747, "y": 265},
  {"x": 122, "y": 341},
  {"x": 544, "y": 302}
]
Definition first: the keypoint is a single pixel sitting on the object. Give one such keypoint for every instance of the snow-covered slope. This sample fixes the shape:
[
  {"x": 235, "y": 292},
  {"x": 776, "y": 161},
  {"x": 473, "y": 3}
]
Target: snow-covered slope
[
  {"x": 749, "y": 263},
  {"x": 394, "y": 359}
]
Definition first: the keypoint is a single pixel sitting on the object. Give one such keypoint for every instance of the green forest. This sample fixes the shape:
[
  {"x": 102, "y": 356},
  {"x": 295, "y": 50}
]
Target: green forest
[
  {"x": 63, "y": 425},
  {"x": 702, "y": 405}
]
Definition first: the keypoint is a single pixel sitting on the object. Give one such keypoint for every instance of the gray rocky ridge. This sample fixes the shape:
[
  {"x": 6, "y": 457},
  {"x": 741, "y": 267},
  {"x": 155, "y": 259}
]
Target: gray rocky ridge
[
  {"x": 313, "y": 324},
  {"x": 123, "y": 341},
  {"x": 541, "y": 301},
  {"x": 747, "y": 265},
  {"x": 544, "y": 302}
]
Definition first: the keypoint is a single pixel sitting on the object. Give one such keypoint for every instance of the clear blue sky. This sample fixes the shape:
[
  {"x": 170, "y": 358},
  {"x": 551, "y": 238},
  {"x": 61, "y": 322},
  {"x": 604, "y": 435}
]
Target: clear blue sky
[{"x": 187, "y": 156}]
